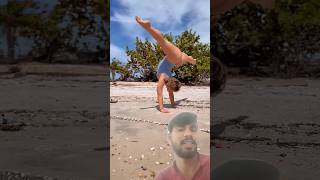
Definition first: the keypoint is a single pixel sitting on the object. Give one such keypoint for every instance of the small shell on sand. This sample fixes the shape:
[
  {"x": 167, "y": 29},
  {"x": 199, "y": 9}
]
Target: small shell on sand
[{"x": 140, "y": 174}]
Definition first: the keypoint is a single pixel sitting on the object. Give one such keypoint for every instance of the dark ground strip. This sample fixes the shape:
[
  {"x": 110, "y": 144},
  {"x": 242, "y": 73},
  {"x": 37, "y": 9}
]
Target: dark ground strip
[
  {"x": 296, "y": 129},
  {"x": 7, "y": 175}
]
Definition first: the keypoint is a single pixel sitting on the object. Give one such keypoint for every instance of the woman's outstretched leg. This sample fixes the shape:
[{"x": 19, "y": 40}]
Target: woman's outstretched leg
[
  {"x": 173, "y": 53},
  {"x": 155, "y": 33}
]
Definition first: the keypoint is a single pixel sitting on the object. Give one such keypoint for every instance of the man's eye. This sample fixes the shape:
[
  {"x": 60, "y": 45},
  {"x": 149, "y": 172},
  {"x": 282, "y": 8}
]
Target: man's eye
[
  {"x": 194, "y": 129},
  {"x": 180, "y": 129}
]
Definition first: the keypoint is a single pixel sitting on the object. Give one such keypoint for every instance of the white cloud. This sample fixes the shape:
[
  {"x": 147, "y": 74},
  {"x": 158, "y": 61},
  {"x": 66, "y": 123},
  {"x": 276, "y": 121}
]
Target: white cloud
[
  {"x": 201, "y": 24},
  {"x": 165, "y": 15},
  {"x": 117, "y": 52}
]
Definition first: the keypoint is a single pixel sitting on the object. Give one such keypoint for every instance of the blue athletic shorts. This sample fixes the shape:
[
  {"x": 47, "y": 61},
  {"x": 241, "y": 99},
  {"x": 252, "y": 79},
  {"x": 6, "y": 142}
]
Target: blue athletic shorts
[{"x": 165, "y": 67}]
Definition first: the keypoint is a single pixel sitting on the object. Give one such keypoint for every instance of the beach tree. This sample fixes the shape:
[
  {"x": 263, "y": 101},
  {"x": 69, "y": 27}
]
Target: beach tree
[
  {"x": 48, "y": 37},
  {"x": 143, "y": 60},
  {"x": 89, "y": 19},
  {"x": 281, "y": 37},
  {"x": 62, "y": 29},
  {"x": 101, "y": 8},
  {"x": 299, "y": 24},
  {"x": 189, "y": 43},
  {"x": 13, "y": 17},
  {"x": 239, "y": 35},
  {"x": 117, "y": 67}
]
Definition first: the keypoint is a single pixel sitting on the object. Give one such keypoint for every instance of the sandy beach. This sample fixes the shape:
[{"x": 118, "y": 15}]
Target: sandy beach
[
  {"x": 63, "y": 120},
  {"x": 275, "y": 120},
  {"x": 139, "y": 147}
]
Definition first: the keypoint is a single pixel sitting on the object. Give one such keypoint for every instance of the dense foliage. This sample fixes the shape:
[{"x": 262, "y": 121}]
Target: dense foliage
[
  {"x": 283, "y": 37},
  {"x": 145, "y": 57},
  {"x": 57, "y": 32}
]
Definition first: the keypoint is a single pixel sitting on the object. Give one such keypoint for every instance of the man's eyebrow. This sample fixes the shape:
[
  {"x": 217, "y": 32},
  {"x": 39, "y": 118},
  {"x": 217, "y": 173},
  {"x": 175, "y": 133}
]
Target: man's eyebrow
[{"x": 182, "y": 126}]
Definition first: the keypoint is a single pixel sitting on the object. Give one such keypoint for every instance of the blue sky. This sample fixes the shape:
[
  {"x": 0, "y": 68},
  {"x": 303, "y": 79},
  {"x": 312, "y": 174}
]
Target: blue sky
[{"x": 173, "y": 16}]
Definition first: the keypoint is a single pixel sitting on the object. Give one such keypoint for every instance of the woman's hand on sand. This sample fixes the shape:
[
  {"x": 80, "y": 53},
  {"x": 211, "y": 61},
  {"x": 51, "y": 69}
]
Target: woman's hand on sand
[{"x": 164, "y": 110}]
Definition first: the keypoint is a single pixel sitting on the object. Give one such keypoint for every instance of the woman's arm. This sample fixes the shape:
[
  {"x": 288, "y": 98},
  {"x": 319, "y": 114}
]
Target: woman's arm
[
  {"x": 171, "y": 97},
  {"x": 160, "y": 85}
]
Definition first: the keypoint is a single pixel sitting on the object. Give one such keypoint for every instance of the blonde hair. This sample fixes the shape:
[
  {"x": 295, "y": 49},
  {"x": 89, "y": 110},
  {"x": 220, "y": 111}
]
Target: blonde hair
[{"x": 174, "y": 84}]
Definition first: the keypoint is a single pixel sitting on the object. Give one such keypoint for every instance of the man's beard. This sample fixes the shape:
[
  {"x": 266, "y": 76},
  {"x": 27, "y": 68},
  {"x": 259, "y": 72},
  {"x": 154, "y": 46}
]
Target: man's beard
[{"x": 185, "y": 154}]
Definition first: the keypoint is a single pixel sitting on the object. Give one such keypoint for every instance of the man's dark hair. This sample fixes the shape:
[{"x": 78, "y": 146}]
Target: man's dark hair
[{"x": 182, "y": 119}]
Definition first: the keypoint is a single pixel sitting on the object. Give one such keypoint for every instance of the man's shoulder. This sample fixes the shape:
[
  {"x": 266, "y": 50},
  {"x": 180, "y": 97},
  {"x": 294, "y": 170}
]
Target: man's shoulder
[
  {"x": 204, "y": 160},
  {"x": 165, "y": 173},
  {"x": 169, "y": 172}
]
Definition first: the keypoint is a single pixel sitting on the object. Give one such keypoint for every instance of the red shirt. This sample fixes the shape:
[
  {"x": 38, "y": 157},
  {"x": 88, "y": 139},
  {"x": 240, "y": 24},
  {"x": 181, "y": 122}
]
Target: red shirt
[{"x": 172, "y": 172}]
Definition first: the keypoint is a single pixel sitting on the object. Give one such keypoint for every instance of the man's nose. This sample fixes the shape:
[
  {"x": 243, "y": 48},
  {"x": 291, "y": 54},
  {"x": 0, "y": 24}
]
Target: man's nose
[{"x": 188, "y": 132}]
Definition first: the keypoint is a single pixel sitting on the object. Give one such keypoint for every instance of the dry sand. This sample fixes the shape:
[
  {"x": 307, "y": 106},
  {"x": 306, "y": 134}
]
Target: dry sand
[
  {"x": 275, "y": 120},
  {"x": 139, "y": 149},
  {"x": 64, "y": 133}
]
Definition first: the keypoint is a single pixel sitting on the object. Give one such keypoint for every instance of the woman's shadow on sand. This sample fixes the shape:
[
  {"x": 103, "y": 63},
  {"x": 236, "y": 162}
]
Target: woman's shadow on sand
[{"x": 166, "y": 105}]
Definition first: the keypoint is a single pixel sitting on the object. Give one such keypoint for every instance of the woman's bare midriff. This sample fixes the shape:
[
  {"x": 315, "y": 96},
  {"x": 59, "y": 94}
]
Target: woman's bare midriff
[{"x": 173, "y": 54}]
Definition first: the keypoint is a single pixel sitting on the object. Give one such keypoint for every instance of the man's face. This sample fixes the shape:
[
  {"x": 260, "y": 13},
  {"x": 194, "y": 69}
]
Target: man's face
[{"x": 183, "y": 140}]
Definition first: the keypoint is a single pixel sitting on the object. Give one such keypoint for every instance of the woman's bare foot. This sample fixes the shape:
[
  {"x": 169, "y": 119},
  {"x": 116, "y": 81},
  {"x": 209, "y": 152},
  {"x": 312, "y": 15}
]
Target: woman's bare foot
[
  {"x": 188, "y": 59},
  {"x": 144, "y": 23},
  {"x": 164, "y": 110},
  {"x": 192, "y": 60}
]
